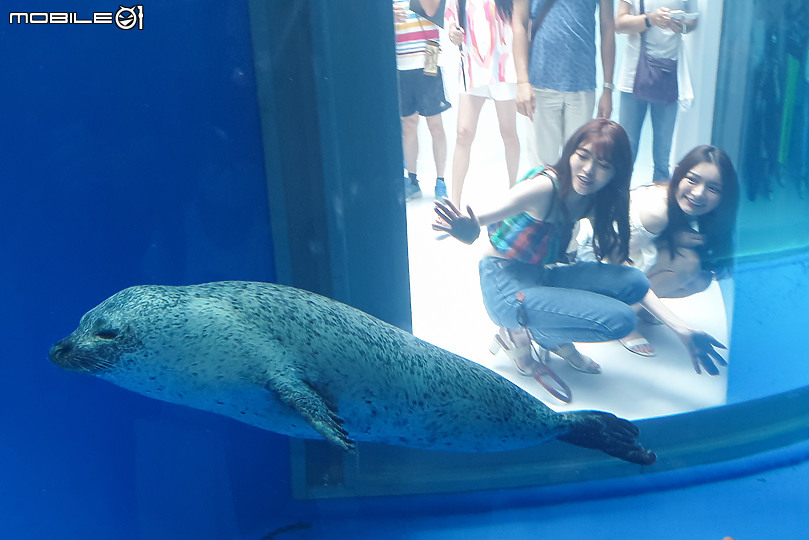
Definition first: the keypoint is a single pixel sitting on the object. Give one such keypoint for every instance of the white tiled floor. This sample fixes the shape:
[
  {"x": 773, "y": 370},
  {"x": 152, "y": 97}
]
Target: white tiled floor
[{"x": 448, "y": 310}]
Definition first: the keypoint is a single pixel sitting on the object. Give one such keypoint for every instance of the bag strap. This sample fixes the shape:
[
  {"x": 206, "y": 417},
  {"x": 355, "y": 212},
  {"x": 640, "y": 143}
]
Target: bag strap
[
  {"x": 643, "y": 34},
  {"x": 541, "y": 17}
]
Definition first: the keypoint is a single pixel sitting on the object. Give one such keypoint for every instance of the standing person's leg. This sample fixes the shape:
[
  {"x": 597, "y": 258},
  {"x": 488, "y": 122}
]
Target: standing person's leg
[
  {"x": 579, "y": 107},
  {"x": 631, "y": 117},
  {"x": 507, "y": 118},
  {"x": 664, "y": 118},
  {"x": 409, "y": 112},
  {"x": 436, "y": 126},
  {"x": 468, "y": 114},
  {"x": 410, "y": 141},
  {"x": 410, "y": 145},
  {"x": 548, "y": 125},
  {"x": 432, "y": 103}
]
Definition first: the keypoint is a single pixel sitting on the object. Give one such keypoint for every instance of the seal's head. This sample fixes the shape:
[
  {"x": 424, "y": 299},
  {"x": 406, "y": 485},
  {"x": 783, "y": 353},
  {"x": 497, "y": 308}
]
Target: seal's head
[{"x": 103, "y": 337}]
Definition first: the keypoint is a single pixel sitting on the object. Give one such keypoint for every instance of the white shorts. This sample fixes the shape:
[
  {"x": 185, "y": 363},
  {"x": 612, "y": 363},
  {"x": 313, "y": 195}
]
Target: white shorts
[{"x": 500, "y": 91}]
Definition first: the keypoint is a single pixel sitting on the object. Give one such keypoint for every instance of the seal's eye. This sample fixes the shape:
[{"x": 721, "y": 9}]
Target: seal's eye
[{"x": 107, "y": 334}]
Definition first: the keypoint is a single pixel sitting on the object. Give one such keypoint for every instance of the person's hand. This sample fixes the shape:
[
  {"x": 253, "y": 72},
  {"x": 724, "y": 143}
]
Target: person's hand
[
  {"x": 676, "y": 25},
  {"x": 660, "y": 17},
  {"x": 525, "y": 100},
  {"x": 689, "y": 239},
  {"x": 700, "y": 346},
  {"x": 464, "y": 228},
  {"x": 399, "y": 14},
  {"x": 456, "y": 35},
  {"x": 605, "y": 105}
]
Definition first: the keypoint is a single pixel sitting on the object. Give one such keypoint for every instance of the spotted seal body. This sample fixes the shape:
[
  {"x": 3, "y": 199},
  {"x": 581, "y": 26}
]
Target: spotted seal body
[{"x": 296, "y": 363}]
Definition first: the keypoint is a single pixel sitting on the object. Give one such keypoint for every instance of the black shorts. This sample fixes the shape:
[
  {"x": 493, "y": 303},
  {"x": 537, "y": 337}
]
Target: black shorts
[{"x": 420, "y": 93}]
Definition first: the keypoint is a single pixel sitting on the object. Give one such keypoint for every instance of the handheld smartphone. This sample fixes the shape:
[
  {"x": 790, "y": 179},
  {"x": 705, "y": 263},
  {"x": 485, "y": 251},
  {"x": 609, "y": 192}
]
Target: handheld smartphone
[{"x": 680, "y": 15}]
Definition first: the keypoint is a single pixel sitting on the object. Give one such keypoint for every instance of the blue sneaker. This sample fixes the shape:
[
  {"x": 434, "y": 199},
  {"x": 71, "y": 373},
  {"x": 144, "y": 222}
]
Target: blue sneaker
[
  {"x": 440, "y": 190},
  {"x": 412, "y": 191}
]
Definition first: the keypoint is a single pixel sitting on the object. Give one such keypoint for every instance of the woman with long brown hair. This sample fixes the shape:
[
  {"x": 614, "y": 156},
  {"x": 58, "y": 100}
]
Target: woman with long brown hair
[{"x": 526, "y": 278}]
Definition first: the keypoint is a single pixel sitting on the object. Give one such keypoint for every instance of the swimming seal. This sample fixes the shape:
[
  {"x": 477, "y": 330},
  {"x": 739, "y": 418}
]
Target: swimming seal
[{"x": 300, "y": 364}]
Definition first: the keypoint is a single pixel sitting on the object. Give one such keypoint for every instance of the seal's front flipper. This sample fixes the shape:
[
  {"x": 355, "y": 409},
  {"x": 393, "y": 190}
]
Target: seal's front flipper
[
  {"x": 606, "y": 432},
  {"x": 301, "y": 397}
]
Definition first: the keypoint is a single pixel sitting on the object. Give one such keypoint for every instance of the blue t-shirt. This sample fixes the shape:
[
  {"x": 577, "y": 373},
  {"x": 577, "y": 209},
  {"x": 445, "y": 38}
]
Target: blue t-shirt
[{"x": 563, "y": 52}]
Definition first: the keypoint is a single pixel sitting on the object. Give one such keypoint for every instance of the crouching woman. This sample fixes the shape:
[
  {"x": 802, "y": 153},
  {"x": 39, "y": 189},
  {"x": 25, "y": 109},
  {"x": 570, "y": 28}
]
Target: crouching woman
[{"x": 525, "y": 276}]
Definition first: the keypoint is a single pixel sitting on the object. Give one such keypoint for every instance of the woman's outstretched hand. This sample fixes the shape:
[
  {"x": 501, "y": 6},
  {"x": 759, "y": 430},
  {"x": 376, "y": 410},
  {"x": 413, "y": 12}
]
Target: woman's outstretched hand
[
  {"x": 464, "y": 228},
  {"x": 700, "y": 346}
]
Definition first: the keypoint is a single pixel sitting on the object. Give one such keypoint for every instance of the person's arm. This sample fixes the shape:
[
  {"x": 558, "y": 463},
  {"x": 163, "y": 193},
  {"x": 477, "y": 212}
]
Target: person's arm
[
  {"x": 520, "y": 24},
  {"x": 700, "y": 345},
  {"x": 626, "y": 23},
  {"x": 453, "y": 25},
  {"x": 533, "y": 196},
  {"x": 652, "y": 204},
  {"x": 607, "y": 25}
]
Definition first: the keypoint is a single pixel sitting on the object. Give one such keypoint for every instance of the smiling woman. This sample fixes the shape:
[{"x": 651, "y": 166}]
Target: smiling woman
[
  {"x": 701, "y": 190},
  {"x": 691, "y": 219}
]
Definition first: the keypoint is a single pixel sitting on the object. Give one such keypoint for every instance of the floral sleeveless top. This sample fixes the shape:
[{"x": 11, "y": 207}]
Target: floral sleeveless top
[{"x": 524, "y": 238}]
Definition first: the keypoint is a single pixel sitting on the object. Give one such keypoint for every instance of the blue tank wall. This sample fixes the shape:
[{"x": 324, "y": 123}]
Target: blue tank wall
[{"x": 128, "y": 157}]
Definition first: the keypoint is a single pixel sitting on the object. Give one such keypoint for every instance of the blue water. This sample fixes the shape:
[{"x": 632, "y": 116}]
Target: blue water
[{"x": 139, "y": 156}]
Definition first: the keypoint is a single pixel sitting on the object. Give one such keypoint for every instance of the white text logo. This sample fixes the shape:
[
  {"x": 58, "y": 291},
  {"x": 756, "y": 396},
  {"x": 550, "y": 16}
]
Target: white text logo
[{"x": 126, "y": 18}]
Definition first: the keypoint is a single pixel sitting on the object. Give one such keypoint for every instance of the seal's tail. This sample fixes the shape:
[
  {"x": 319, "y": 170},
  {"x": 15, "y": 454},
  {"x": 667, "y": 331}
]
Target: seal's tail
[{"x": 606, "y": 432}]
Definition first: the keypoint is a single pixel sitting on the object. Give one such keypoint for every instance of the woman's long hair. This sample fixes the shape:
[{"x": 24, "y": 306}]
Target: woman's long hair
[
  {"x": 610, "y": 208},
  {"x": 505, "y": 8},
  {"x": 717, "y": 226}
]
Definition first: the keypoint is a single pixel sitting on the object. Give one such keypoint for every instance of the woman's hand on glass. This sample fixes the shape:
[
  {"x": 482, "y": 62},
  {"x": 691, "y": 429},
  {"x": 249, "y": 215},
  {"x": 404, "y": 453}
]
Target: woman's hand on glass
[
  {"x": 451, "y": 221},
  {"x": 700, "y": 346}
]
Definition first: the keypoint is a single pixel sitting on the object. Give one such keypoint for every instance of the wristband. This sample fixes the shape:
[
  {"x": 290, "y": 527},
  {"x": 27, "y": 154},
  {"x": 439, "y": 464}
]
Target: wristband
[
  {"x": 609, "y": 86},
  {"x": 648, "y": 24}
]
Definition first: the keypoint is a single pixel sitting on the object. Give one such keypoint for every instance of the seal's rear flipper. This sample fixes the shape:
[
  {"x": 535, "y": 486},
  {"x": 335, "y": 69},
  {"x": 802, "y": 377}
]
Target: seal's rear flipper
[
  {"x": 606, "y": 432},
  {"x": 301, "y": 397}
]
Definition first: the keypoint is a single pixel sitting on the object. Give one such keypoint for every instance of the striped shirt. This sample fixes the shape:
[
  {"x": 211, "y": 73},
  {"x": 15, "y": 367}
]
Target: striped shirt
[
  {"x": 524, "y": 238},
  {"x": 411, "y": 38}
]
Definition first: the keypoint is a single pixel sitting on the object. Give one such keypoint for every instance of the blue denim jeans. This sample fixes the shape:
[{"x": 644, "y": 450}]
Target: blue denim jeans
[
  {"x": 632, "y": 116},
  {"x": 588, "y": 301}
]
